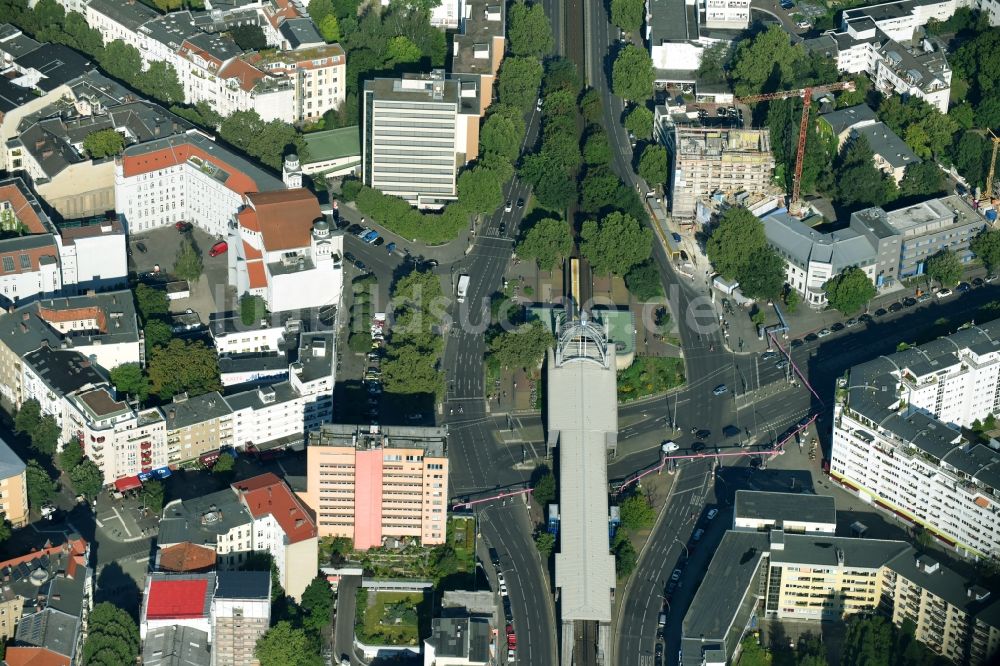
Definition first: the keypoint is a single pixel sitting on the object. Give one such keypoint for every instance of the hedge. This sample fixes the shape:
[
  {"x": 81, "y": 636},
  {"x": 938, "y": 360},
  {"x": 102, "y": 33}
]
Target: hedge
[{"x": 401, "y": 218}]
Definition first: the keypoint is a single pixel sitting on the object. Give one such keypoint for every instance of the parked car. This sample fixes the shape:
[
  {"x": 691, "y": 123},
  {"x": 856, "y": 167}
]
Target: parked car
[
  {"x": 943, "y": 293},
  {"x": 851, "y": 323},
  {"x": 978, "y": 282},
  {"x": 909, "y": 302},
  {"x": 676, "y": 236},
  {"x": 390, "y": 248},
  {"x": 500, "y": 579},
  {"x": 218, "y": 248},
  {"x": 923, "y": 298},
  {"x": 822, "y": 333},
  {"x": 702, "y": 433},
  {"x": 782, "y": 364},
  {"x": 378, "y": 241},
  {"x": 183, "y": 226},
  {"x": 896, "y": 307},
  {"x": 963, "y": 287},
  {"x": 803, "y": 25},
  {"x": 768, "y": 355},
  {"x": 360, "y": 265},
  {"x": 676, "y": 575},
  {"x": 698, "y": 534},
  {"x": 712, "y": 514},
  {"x": 142, "y": 247},
  {"x": 881, "y": 312},
  {"x": 836, "y": 328},
  {"x": 811, "y": 337}
]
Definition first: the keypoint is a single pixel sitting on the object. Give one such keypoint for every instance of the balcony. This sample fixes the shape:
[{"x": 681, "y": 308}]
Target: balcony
[{"x": 146, "y": 445}]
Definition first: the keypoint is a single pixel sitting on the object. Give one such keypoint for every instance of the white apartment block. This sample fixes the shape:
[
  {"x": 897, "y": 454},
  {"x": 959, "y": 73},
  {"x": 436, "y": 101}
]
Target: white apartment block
[
  {"x": 121, "y": 440},
  {"x": 185, "y": 177},
  {"x": 727, "y": 14},
  {"x": 897, "y": 443},
  {"x": 418, "y": 132}
]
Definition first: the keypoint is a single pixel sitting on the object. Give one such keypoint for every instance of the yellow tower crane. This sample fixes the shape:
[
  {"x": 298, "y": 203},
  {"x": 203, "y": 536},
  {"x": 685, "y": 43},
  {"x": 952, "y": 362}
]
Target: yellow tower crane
[{"x": 988, "y": 196}]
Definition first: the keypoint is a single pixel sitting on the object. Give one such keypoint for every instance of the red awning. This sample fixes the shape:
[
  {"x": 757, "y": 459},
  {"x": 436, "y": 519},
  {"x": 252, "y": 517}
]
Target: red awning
[{"x": 128, "y": 483}]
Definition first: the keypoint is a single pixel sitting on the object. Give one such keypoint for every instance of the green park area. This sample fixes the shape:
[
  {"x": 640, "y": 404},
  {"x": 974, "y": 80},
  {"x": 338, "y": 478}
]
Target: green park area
[
  {"x": 390, "y": 618},
  {"x": 649, "y": 375}
]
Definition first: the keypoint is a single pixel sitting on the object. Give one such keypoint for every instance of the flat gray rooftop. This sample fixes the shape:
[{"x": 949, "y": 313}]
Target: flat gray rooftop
[{"x": 781, "y": 507}]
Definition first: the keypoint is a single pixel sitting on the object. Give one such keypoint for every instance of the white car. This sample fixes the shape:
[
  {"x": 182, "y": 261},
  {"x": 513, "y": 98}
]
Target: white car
[
  {"x": 943, "y": 293},
  {"x": 803, "y": 25},
  {"x": 511, "y": 656},
  {"x": 823, "y": 333},
  {"x": 669, "y": 447},
  {"x": 713, "y": 513},
  {"x": 676, "y": 575},
  {"x": 503, "y": 590},
  {"x": 538, "y": 104},
  {"x": 509, "y": 206},
  {"x": 500, "y": 579}
]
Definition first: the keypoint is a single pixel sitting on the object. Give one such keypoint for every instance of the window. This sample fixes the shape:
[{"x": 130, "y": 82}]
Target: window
[
  {"x": 8, "y": 264},
  {"x": 25, "y": 262}
]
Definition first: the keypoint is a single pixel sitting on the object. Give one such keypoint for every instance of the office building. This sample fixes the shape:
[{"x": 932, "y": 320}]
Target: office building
[
  {"x": 13, "y": 487},
  {"x": 418, "y": 132},
  {"x": 707, "y": 161},
  {"x": 897, "y": 441},
  {"x": 257, "y": 514},
  {"x": 928, "y": 227},
  {"x": 374, "y": 483},
  {"x": 241, "y": 613}
]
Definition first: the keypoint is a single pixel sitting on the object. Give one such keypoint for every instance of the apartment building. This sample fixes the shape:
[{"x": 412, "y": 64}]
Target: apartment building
[
  {"x": 241, "y": 613},
  {"x": 706, "y": 161},
  {"x": 185, "y": 177},
  {"x": 815, "y": 577},
  {"x": 93, "y": 254},
  {"x": 257, "y": 514},
  {"x": 13, "y": 487},
  {"x": 285, "y": 251},
  {"x": 372, "y": 483},
  {"x": 103, "y": 328},
  {"x": 122, "y": 440},
  {"x": 29, "y": 255},
  {"x": 478, "y": 45},
  {"x": 418, "y": 132},
  {"x": 197, "y": 425},
  {"x": 317, "y": 75},
  {"x": 890, "y": 154},
  {"x": 897, "y": 443},
  {"x": 52, "y": 374},
  {"x": 812, "y": 258},
  {"x": 45, "y": 600},
  {"x": 176, "y": 645}
]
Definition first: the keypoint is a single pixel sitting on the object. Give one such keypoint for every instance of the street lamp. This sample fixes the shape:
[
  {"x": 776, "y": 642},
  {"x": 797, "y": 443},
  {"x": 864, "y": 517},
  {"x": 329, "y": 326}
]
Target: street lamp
[{"x": 687, "y": 553}]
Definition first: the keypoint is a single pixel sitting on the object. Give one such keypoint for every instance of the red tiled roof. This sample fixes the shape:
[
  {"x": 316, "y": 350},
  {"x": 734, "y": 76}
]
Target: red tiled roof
[
  {"x": 176, "y": 599},
  {"x": 247, "y": 74},
  {"x": 18, "y": 201},
  {"x": 75, "y": 546},
  {"x": 134, "y": 165},
  {"x": 189, "y": 48},
  {"x": 250, "y": 252},
  {"x": 285, "y": 217},
  {"x": 185, "y": 557},
  {"x": 75, "y": 314},
  {"x": 34, "y": 255},
  {"x": 267, "y": 494},
  {"x": 257, "y": 275},
  {"x": 34, "y": 656},
  {"x": 248, "y": 219}
]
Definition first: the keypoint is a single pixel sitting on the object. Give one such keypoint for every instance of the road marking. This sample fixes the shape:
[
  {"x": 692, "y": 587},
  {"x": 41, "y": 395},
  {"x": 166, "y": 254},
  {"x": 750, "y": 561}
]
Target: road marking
[{"x": 122, "y": 520}]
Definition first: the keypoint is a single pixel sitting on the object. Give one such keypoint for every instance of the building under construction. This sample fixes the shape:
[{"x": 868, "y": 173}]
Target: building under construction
[{"x": 736, "y": 163}]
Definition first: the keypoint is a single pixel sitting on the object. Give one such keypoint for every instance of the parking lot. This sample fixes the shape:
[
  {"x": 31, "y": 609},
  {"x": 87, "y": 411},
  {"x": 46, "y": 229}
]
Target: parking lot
[{"x": 152, "y": 255}]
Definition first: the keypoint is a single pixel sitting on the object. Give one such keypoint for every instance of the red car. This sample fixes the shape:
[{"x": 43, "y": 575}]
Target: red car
[
  {"x": 183, "y": 226},
  {"x": 218, "y": 248}
]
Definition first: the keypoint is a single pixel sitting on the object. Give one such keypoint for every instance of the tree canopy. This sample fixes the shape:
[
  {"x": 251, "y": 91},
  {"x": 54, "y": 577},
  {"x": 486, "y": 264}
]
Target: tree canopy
[
  {"x": 249, "y": 37},
  {"x": 411, "y": 365},
  {"x": 653, "y": 165},
  {"x": 87, "y": 479},
  {"x": 183, "y": 366},
  {"x": 632, "y": 74},
  {"x": 860, "y": 183},
  {"x": 738, "y": 249},
  {"x": 151, "y": 301},
  {"x": 103, "y": 143},
  {"x": 850, "y": 290},
  {"x": 616, "y": 244},
  {"x": 636, "y": 513},
  {"x": 628, "y": 14},
  {"x": 543, "y": 484},
  {"x": 188, "y": 265},
  {"x": 480, "y": 190},
  {"x": 986, "y": 246},
  {"x": 523, "y": 347},
  {"x": 639, "y": 121},
  {"x": 528, "y": 30},
  {"x": 266, "y": 141},
  {"x": 596, "y": 149},
  {"x": 502, "y": 132},
  {"x": 41, "y": 487},
  {"x": 112, "y": 638},
  {"x": 129, "y": 379},
  {"x": 644, "y": 282},
  {"x": 945, "y": 268},
  {"x": 518, "y": 81},
  {"x": 548, "y": 243},
  {"x": 283, "y": 645}
]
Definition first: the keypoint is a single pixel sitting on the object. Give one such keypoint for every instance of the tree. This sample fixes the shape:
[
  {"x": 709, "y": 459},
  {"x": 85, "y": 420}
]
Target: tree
[
  {"x": 548, "y": 242},
  {"x": 545, "y": 543},
  {"x": 850, "y": 290},
  {"x": 528, "y": 30},
  {"x": 249, "y": 37},
  {"x": 70, "y": 456},
  {"x": 183, "y": 366},
  {"x": 628, "y": 14},
  {"x": 187, "y": 265},
  {"x": 317, "y": 604},
  {"x": 625, "y": 558},
  {"x": 765, "y": 277},
  {"x": 121, "y": 61},
  {"x": 112, "y": 638},
  {"x": 252, "y": 309},
  {"x": 868, "y": 641},
  {"x": 87, "y": 479},
  {"x": 639, "y": 121},
  {"x": 329, "y": 29},
  {"x": 560, "y": 74},
  {"x": 153, "y": 496},
  {"x": 157, "y": 333},
  {"x": 267, "y": 141},
  {"x": 653, "y": 165},
  {"x": 738, "y": 234},
  {"x": 615, "y": 245},
  {"x": 591, "y": 106},
  {"x": 103, "y": 143},
  {"x": 519, "y": 79},
  {"x": 598, "y": 189},
  {"x": 713, "y": 63},
  {"x": 480, "y": 190},
  {"x": 986, "y": 246},
  {"x": 632, "y": 74},
  {"x": 636, "y": 512},
  {"x": 224, "y": 464},
  {"x": 319, "y": 10},
  {"x": 523, "y": 347},
  {"x": 643, "y": 281},
  {"x": 543, "y": 484},
  {"x": 553, "y": 186},
  {"x": 502, "y": 132},
  {"x": 401, "y": 50},
  {"x": 28, "y": 417},
  {"x": 41, "y": 487},
  {"x": 944, "y": 267},
  {"x": 769, "y": 57},
  {"x": 971, "y": 154},
  {"x": 860, "y": 183},
  {"x": 129, "y": 379},
  {"x": 151, "y": 301},
  {"x": 596, "y": 149},
  {"x": 923, "y": 180},
  {"x": 45, "y": 437}
]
